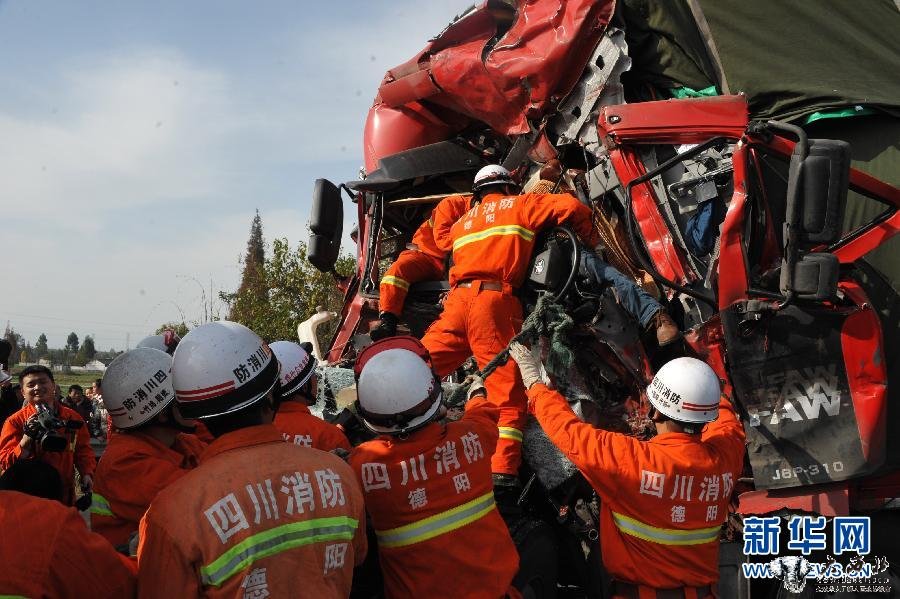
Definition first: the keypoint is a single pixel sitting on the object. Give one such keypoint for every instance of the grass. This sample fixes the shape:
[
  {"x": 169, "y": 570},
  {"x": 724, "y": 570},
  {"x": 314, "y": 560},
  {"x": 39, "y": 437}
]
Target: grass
[{"x": 64, "y": 379}]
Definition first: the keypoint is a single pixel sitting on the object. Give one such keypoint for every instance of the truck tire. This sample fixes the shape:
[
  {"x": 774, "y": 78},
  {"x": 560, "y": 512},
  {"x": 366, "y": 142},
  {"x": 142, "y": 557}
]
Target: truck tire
[{"x": 538, "y": 558}]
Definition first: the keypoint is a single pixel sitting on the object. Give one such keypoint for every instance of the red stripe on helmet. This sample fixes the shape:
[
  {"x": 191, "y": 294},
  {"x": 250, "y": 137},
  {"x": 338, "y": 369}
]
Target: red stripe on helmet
[
  {"x": 206, "y": 390},
  {"x": 197, "y": 396},
  {"x": 696, "y": 407}
]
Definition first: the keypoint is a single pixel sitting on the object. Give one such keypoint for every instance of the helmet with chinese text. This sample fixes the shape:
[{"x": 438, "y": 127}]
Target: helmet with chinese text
[
  {"x": 221, "y": 367},
  {"x": 397, "y": 391},
  {"x": 686, "y": 390},
  {"x": 492, "y": 174},
  {"x": 137, "y": 386},
  {"x": 297, "y": 366}
]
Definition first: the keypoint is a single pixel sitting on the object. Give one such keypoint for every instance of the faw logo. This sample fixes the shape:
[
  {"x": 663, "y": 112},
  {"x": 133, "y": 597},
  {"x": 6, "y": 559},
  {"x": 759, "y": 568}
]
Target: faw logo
[{"x": 800, "y": 394}]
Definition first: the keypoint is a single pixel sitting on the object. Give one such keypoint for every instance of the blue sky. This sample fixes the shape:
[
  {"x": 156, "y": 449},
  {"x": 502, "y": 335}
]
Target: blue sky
[{"x": 138, "y": 139}]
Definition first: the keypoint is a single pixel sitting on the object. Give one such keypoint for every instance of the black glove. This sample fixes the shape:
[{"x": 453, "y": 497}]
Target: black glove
[
  {"x": 386, "y": 328},
  {"x": 84, "y": 502},
  {"x": 32, "y": 427}
]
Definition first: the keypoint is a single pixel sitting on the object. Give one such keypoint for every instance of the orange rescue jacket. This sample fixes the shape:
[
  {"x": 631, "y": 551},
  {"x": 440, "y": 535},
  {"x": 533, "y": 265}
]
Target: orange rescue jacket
[
  {"x": 257, "y": 517},
  {"x": 431, "y": 500},
  {"x": 494, "y": 240},
  {"x": 450, "y": 208},
  {"x": 133, "y": 469},
  {"x": 663, "y": 501},
  {"x": 47, "y": 551},
  {"x": 301, "y": 427},
  {"x": 77, "y": 454}
]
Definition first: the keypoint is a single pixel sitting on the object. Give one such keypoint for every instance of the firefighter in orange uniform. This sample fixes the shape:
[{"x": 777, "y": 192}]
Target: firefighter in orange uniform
[
  {"x": 663, "y": 501},
  {"x": 297, "y": 390},
  {"x": 258, "y": 517},
  {"x": 21, "y": 433},
  {"x": 427, "y": 484},
  {"x": 65, "y": 558},
  {"x": 422, "y": 261},
  {"x": 491, "y": 247},
  {"x": 150, "y": 449}
]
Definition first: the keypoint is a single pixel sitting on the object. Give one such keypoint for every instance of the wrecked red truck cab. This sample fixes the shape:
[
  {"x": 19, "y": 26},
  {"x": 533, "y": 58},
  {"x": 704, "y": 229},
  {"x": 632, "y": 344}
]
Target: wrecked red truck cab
[{"x": 759, "y": 236}]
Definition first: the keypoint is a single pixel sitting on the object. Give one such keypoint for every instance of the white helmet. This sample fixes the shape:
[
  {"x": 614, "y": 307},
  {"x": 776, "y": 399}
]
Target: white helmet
[
  {"x": 396, "y": 388},
  {"x": 221, "y": 367},
  {"x": 686, "y": 390},
  {"x": 492, "y": 174},
  {"x": 137, "y": 386},
  {"x": 153, "y": 342},
  {"x": 166, "y": 342},
  {"x": 297, "y": 366}
]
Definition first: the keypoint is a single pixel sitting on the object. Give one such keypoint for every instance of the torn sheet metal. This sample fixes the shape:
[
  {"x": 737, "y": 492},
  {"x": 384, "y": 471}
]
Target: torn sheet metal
[
  {"x": 600, "y": 85},
  {"x": 466, "y": 73}
]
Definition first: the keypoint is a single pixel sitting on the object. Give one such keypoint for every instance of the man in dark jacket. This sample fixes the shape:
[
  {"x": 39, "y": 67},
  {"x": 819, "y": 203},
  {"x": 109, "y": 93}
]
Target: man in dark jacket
[
  {"x": 76, "y": 400},
  {"x": 10, "y": 399}
]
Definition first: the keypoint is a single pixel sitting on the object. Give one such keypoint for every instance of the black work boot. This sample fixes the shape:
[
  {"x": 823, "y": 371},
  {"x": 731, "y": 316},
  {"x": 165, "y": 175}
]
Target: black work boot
[{"x": 386, "y": 328}]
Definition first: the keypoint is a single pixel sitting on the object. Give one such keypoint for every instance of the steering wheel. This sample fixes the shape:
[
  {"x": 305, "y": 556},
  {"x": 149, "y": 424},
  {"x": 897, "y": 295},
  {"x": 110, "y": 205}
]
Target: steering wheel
[{"x": 547, "y": 263}]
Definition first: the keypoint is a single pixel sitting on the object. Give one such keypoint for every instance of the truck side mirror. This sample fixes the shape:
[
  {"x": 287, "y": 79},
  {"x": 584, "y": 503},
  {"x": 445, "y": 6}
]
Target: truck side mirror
[
  {"x": 818, "y": 180},
  {"x": 815, "y": 277},
  {"x": 825, "y": 177},
  {"x": 326, "y": 222}
]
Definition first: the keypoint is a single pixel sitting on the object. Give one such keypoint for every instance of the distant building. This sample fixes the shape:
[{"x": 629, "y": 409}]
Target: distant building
[{"x": 95, "y": 366}]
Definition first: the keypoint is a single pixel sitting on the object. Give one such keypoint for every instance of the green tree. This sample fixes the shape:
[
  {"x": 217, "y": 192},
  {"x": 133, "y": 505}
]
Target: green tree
[
  {"x": 293, "y": 288},
  {"x": 180, "y": 328},
  {"x": 59, "y": 356},
  {"x": 252, "y": 290},
  {"x": 72, "y": 342},
  {"x": 40, "y": 348},
  {"x": 16, "y": 341},
  {"x": 87, "y": 351}
]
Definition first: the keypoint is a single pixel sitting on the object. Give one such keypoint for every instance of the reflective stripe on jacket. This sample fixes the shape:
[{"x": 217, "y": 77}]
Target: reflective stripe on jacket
[{"x": 438, "y": 524}]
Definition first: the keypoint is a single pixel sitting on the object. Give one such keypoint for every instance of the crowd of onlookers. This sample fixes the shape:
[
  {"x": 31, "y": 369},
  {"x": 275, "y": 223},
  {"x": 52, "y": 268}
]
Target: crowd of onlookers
[
  {"x": 89, "y": 405},
  {"x": 87, "y": 402}
]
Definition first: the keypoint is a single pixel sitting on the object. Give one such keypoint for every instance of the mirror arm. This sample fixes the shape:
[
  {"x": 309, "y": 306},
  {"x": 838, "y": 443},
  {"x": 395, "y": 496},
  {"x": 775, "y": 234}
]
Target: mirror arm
[
  {"x": 350, "y": 192},
  {"x": 792, "y": 208}
]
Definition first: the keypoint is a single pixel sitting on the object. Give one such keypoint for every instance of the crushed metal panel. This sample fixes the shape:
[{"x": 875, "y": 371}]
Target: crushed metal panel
[
  {"x": 599, "y": 86},
  {"x": 530, "y": 68}
]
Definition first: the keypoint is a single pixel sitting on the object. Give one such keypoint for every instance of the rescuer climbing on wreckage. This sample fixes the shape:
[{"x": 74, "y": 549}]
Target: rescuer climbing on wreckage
[{"x": 491, "y": 246}]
